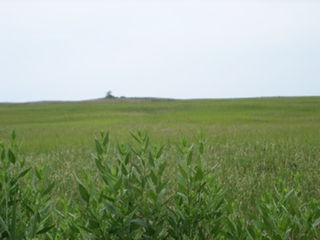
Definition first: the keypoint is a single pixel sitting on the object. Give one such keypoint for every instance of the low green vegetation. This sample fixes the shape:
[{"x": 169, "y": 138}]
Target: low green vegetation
[{"x": 196, "y": 169}]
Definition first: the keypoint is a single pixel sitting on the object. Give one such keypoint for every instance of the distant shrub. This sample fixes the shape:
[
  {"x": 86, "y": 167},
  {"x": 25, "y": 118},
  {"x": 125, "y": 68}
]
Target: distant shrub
[{"x": 109, "y": 95}]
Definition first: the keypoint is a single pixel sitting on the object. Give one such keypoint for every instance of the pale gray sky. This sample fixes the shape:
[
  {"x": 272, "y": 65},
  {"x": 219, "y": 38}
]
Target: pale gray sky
[{"x": 70, "y": 50}]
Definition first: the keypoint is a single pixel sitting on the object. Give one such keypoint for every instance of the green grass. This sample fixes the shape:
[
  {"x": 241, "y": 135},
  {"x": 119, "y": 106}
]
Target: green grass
[
  {"x": 243, "y": 133},
  {"x": 253, "y": 144},
  {"x": 47, "y": 127}
]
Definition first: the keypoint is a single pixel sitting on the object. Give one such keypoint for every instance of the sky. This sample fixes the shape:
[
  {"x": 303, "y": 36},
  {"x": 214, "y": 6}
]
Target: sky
[{"x": 80, "y": 49}]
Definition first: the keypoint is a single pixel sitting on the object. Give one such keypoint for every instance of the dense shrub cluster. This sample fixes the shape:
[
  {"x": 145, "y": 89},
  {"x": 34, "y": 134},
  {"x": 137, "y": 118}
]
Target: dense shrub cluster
[{"x": 141, "y": 196}]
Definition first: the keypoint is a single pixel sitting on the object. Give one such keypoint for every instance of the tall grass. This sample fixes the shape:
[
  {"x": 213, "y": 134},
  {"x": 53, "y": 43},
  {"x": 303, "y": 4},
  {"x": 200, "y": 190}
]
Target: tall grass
[{"x": 140, "y": 194}]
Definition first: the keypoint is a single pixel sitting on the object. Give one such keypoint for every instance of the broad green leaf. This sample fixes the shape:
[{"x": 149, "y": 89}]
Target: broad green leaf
[
  {"x": 201, "y": 148},
  {"x": 45, "y": 229},
  {"x": 151, "y": 160},
  {"x": 153, "y": 178},
  {"x": 84, "y": 193},
  {"x": 98, "y": 147},
  {"x": 183, "y": 172},
  {"x": 139, "y": 222},
  {"x": 127, "y": 158},
  {"x": 38, "y": 173},
  {"x": 99, "y": 164},
  {"x": 135, "y": 137},
  {"x": 189, "y": 156},
  {"x": 23, "y": 173},
  {"x": 105, "y": 139},
  {"x": 11, "y": 156},
  {"x": 13, "y": 135},
  {"x": 162, "y": 167},
  {"x": 160, "y": 151}
]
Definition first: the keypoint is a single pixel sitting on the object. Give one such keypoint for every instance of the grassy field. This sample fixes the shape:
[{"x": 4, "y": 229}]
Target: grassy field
[{"x": 253, "y": 144}]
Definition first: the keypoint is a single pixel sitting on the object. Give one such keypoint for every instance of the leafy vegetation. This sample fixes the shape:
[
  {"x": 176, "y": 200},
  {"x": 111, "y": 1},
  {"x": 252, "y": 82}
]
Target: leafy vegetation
[
  {"x": 135, "y": 200},
  {"x": 251, "y": 173},
  {"x": 25, "y": 206}
]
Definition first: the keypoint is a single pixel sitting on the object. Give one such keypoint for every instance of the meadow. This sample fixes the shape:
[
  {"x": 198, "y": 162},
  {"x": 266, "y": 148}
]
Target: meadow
[{"x": 188, "y": 169}]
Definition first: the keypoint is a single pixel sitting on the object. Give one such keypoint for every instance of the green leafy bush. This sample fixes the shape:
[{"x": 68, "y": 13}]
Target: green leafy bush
[
  {"x": 25, "y": 206},
  {"x": 143, "y": 192}
]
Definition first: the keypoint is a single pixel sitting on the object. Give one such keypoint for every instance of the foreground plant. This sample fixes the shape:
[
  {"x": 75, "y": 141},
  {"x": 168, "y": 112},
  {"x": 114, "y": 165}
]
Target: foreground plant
[
  {"x": 131, "y": 202},
  {"x": 137, "y": 200},
  {"x": 136, "y": 195},
  {"x": 25, "y": 208},
  {"x": 280, "y": 215},
  {"x": 284, "y": 215},
  {"x": 198, "y": 208}
]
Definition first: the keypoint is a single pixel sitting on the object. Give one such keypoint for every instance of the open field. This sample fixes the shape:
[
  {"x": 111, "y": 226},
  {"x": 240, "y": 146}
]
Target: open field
[
  {"x": 253, "y": 144},
  {"x": 242, "y": 133}
]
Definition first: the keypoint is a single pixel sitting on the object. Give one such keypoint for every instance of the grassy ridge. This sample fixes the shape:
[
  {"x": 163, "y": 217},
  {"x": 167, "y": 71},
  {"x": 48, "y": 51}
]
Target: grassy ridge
[{"x": 44, "y": 127}]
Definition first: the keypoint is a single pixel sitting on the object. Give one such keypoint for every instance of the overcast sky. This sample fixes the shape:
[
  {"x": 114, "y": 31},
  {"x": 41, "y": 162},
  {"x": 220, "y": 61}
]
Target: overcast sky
[{"x": 72, "y": 50}]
